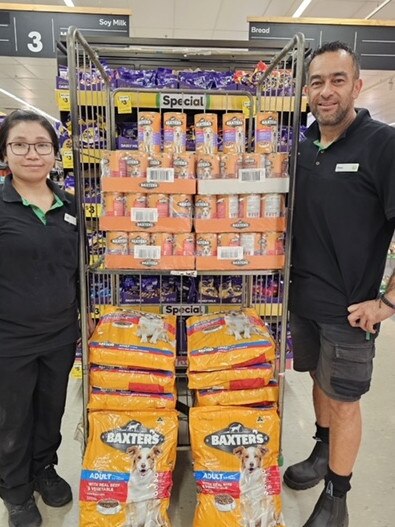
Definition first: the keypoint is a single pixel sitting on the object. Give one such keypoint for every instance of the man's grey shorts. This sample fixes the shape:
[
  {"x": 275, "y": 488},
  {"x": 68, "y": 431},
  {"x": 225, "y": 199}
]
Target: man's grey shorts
[{"x": 341, "y": 356}]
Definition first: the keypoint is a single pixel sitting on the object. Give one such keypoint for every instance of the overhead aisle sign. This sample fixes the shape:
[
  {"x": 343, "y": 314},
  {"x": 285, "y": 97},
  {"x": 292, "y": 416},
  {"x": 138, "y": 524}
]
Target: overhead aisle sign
[
  {"x": 372, "y": 40},
  {"x": 26, "y": 31}
]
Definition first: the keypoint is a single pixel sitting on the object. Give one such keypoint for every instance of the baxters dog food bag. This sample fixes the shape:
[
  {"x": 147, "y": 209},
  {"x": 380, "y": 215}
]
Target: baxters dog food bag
[
  {"x": 117, "y": 378},
  {"x": 134, "y": 339},
  {"x": 227, "y": 340},
  {"x": 235, "y": 453},
  {"x": 212, "y": 397},
  {"x": 119, "y": 400},
  {"x": 233, "y": 379},
  {"x": 127, "y": 470}
]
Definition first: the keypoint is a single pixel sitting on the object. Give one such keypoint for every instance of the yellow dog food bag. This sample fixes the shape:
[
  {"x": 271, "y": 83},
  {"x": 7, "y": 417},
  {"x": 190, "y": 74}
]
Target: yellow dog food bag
[
  {"x": 235, "y": 453},
  {"x": 118, "y": 400},
  {"x": 118, "y": 378},
  {"x": 267, "y": 394},
  {"x": 134, "y": 339},
  {"x": 233, "y": 379},
  {"x": 127, "y": 469},
  {"x": 226, "y": 340}
]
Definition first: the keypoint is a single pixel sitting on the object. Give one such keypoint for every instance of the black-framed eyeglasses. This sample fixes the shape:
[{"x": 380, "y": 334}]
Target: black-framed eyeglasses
[{"x": 19, "y": 148}]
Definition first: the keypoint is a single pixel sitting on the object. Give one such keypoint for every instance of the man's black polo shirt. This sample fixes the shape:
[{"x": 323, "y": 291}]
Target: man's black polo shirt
[
  {"x": 38, "y": 274},
  {"x": 343, "y": 219}
]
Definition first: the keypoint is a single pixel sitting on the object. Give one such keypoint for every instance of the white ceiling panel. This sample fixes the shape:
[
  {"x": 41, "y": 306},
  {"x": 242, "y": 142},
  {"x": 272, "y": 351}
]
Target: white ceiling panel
[
  {"x": 199, "y": 14},
  {"x": 149, "y": 13}
]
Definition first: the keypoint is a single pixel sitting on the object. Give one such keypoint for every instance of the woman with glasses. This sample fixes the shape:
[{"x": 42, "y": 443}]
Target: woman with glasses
[{"x": 38, "y": 316}]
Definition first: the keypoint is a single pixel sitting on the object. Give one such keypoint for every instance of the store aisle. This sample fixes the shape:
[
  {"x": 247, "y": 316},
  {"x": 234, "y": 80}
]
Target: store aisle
[{"x": 371, "y": 500}]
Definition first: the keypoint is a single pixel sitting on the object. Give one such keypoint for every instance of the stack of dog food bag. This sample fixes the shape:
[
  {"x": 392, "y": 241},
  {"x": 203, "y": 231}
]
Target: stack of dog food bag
[
  {"x": 235, "y": 425},
  {"x": 133, "y": 425}
]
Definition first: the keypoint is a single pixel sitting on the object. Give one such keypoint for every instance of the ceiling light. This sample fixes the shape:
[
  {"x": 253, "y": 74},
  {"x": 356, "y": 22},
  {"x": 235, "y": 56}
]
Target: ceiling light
[
  {"x": 30, "y": 106},
  {"x": 304, "y": 5},
  {"x": 69, "y": 3},
  {"x": 377, "y": 9}
]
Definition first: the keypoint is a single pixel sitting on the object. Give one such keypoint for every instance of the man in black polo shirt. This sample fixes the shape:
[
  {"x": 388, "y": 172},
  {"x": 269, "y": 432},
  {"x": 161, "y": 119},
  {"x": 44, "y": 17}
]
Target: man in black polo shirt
[{"x": 344, "y": 219}]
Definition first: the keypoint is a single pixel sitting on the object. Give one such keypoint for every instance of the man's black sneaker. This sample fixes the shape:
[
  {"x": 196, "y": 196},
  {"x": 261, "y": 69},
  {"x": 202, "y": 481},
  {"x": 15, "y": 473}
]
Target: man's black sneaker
[
  {"x": 54, "y": 490},
  {"x": 25, "y": 515},
  {"x": 330, "y": 511},
  {"x": 311, "y": 471}
]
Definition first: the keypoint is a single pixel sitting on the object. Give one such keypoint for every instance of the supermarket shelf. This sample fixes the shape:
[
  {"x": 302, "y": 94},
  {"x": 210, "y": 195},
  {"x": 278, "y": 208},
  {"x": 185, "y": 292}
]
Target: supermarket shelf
[
  {"x": 266, "y": 310},
  {"x": 126, "y": 101},
  {"x": 89, "y": 155}
]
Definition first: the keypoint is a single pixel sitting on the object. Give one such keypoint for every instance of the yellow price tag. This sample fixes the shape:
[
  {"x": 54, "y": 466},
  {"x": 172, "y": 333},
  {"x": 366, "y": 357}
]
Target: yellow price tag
[
  {"x": 246, "y": 108},
  {"x": 67, "y": 158},
  {"x": 93, "y": 210},
  {"x": 64, "y": 101},
  {"x": 124, "y": 103}
]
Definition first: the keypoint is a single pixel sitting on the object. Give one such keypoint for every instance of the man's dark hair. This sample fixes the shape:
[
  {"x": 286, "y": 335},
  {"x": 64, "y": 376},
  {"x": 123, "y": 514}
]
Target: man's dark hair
[
  {"x": 20, "y": 116},
  {"x": 330, "y": 47}
]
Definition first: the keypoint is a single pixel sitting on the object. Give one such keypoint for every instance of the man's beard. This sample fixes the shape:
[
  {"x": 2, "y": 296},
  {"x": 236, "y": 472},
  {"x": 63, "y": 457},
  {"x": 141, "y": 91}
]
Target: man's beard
[{"x": 331, "y": 120}]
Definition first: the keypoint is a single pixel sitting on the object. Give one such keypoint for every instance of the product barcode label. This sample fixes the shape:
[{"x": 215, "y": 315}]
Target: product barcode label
[
  {"x": 143, "y": 252},
  {"x": 160, "y": 174},
  {"x": 144, "y": 214},
  {"x": 230, "y": 253},
  {"x": 249, "y": 174}
]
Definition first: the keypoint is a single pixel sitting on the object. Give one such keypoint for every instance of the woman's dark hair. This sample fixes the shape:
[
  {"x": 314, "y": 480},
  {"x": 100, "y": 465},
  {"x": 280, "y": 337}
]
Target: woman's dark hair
[{"x": 20, "y": 116}]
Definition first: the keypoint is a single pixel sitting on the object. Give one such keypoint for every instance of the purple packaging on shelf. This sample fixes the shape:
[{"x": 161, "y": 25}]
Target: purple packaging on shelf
[
  {"x": 223, "y": 80},
  {"x": 230, "y": 289},
  {"x": 188, "y": 289},
  {"x": 169, "y": 290},
  {"x": 208, "y": 290},
  {"x": 129, "y": 290},
  {"x": 125, "y": 143},
  {"x": 166, "y": 78},
  {"x": 61, "y": 83}
]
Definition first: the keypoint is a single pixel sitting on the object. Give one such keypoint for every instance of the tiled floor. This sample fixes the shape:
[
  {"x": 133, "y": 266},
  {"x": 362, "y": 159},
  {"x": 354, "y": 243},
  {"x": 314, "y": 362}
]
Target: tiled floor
[{"x": 371, "y": 501}]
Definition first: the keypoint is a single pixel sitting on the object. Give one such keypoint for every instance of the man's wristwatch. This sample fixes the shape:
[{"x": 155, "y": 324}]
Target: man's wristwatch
[{"x": 385, "y": 301}]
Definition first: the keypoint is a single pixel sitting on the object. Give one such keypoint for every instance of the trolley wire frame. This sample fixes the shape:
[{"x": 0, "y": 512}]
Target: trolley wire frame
[{"x": 100, "y": 287}]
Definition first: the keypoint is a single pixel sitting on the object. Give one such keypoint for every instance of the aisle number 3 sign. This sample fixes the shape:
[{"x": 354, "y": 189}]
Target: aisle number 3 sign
[
  {"x": 31, "y": 33},
  {"x": 36, "y": 45}
]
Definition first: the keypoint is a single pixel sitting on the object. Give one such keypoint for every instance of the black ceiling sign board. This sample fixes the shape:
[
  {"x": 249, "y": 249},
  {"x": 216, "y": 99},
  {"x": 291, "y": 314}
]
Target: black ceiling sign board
[
  {"x": 34, "y": 33},
  {"x": 375, "y": 45}
]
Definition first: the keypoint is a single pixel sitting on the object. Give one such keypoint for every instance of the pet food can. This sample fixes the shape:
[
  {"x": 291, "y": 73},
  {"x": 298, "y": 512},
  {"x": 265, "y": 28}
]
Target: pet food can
[
  {"x": 114, "y": 203},
  {"x": 229, "y": 239},
  {"x": 159, "y": 202},
  {"x": 184, "y": 244},
  {"x": 206, "y": 244},
  {"x": 149, "y": 136},
  {"x": 207, "y": 166},
  {"x": 272, "y": 243},
  {"x": 184, "y": 165},
  {"x": 163, "y": 240},
  {"x": 174, "y": 132},
  {"x": 135, "y": 200},
  {"x": 233, "y": 125},
  {"x": 180, "y": 206},
  {"x": 230, "y": 165},
  {"x": 133, "y": 164},
  {"x": 266, "y": 124},
  {"x": 272, "y": 206},
  {"x": 206, "y": 130},
  {"x": 251, "y": 206},
  {"x": 251, "y": 243},
  {"x": 277, "y": 165},
  {"x": 205, "y": 207},
  {"x": 228, "y": 206},
  {"x": 117, "y": 242},
  {"x": 137, "y": 239},
  {"x": 253, "y": 161}
]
